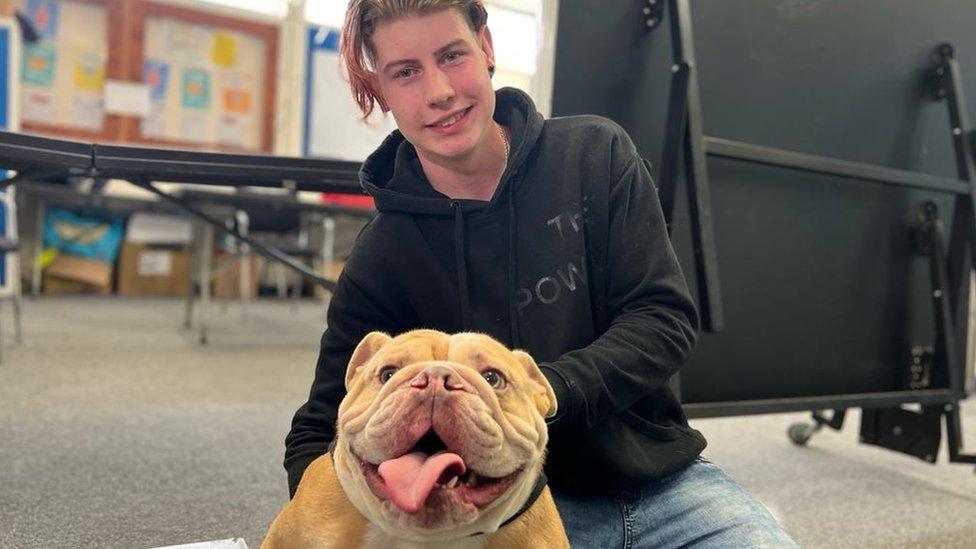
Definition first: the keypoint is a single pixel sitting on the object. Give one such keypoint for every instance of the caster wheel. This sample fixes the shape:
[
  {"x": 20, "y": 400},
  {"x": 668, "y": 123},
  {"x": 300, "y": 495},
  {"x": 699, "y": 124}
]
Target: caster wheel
[{"x": 800, "y": 433}]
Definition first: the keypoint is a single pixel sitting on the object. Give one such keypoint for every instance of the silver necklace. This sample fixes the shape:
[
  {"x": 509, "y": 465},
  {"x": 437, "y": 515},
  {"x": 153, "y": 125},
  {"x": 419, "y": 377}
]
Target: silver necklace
[{"x": 501, "y": 132}]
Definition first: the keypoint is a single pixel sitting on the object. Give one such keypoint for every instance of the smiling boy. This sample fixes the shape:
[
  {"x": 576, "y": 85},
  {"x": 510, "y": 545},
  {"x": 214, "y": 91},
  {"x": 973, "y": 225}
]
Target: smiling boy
[{"x": 547, "y": 235}]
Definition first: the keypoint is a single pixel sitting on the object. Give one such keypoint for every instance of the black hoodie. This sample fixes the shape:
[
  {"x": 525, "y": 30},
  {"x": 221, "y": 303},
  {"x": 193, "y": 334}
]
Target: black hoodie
[{"x": 569, "y": 260}]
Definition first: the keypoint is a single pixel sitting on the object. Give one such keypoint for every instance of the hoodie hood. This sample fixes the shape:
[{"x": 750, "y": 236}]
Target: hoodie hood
[{"x": 393, "y": 176}]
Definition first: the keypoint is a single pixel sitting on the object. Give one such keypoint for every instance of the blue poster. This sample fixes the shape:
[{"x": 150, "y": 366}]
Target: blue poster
[
  {"x": 156, "y": 75},
  {"x": 44, "y": 15},
  {"x": 38, "y": 64},
  {"x": 196, "y": 89},
  {"x": 5, "y": 63}
]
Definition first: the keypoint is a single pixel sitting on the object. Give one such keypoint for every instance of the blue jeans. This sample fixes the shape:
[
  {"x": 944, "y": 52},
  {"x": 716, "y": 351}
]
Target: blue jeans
[{"x": 699, "y": 506}]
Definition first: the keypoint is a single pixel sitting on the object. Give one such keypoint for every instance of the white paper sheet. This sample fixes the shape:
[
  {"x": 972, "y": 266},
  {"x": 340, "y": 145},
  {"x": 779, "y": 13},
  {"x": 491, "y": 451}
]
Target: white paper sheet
[
  {"x": 236, "y": 543},
  {"x": 129, "y": 98}
]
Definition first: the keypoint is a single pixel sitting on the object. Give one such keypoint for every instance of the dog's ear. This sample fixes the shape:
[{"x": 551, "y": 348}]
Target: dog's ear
[
  {"x": 542, "y": 394},
  {"x": 366, "y": 349}
]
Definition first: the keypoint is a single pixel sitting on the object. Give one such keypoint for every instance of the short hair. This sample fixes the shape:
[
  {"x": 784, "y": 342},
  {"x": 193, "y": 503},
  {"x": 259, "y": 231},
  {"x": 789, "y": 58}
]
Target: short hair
[{"x": 356, "y": 43}]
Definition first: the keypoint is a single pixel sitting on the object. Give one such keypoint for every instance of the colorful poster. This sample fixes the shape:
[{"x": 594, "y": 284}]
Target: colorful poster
[
  {"x": 88, "y": 112},
  {"x": 39, "y": 106},
  {"x": 196, "y": 89},
  {"x": 38, "y": 66},
  {"x": 224, "y": 50},
  {"x": 89, "y": 71},
  {"x": 238, "y": 101},
  {"x": 156, "y": 75},
  {"x": 44, "y": 15}
]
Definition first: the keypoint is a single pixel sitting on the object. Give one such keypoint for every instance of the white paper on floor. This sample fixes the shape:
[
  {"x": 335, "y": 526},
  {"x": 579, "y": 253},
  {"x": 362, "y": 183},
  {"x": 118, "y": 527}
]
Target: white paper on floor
[{"x": 236, "y": 543}]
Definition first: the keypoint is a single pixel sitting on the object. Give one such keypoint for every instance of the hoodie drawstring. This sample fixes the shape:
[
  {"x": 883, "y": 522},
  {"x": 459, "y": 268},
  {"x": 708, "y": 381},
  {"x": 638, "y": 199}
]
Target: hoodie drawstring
[
  {"x": 513, "y": 312},
  {"x": 462, "y": 270}
]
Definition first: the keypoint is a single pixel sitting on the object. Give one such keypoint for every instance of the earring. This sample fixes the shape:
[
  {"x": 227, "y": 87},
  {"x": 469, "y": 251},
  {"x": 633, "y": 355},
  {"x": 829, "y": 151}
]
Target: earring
[{"x": 491, "y": 69}]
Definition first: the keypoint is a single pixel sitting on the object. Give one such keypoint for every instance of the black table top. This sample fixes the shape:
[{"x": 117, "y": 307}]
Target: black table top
[{"x": 72, "y": 158}]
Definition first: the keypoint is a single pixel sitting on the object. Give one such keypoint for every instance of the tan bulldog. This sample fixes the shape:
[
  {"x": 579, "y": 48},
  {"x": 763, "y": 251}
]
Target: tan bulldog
[{"x": 440, "y": 442}]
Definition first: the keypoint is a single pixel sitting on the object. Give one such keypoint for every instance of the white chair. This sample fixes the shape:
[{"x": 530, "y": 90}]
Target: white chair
[{"x": 9, "y": 248}]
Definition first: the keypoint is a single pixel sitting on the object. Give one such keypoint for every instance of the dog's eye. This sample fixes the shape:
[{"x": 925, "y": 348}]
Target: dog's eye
[
  {"x": 494, "y": 378},
  {"x": 386, "y": 372}
]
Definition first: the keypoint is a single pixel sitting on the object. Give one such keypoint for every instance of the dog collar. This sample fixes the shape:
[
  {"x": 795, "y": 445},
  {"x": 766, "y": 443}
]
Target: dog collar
[{"x": 540, "y": 484}]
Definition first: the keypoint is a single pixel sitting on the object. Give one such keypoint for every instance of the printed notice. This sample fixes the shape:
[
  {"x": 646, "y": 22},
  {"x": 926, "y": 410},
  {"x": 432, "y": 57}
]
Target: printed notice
[
  {"x": 131, "y": 98},
  {"x": 154, "y": 125},
  {"x": 39, "y": 106},
  {"x": 88, "y": 112},
  {"x": 230, "y": 130}
]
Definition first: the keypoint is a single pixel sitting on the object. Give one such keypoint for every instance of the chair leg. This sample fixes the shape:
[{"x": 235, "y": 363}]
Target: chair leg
[
  {"x": 280, "y": 281},
  {"x": 17, "y": 327},
  {"x": 193, "y": 274}
]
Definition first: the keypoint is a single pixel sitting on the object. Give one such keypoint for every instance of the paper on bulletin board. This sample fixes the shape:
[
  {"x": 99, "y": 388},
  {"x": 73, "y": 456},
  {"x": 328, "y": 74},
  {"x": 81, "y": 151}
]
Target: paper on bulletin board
[
  {"x": 44, "y": 15},
  {"x": 235, "y": 92},
  {"x": 224, "y": 49},
  {"x": 38, "y": 106},
  {"x": 196, "y": 89},
  {"x": 188, "y": 43},
  {"x": 193, "y": 127},
  {"x": 38, "y": 64},
  {"x": 155, "y": 74},
  {"x": 237, "y": 101},
  {"x": 154, "y": 124},
  {"x": 88, "y": 112},
  {"x": 126, "y": 98},
  {"x": 89, "y": 71},
  {"x": 230, "y": 130}
]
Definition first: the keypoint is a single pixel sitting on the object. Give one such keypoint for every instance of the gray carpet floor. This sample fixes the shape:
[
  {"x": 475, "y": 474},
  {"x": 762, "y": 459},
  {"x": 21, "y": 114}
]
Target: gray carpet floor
[{"x": 118, "y": 430}]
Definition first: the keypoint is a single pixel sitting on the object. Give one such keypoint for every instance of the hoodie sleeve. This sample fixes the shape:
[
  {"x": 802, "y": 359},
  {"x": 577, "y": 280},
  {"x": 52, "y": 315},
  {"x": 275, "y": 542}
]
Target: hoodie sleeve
[
  {"x": 653, "y": 322},
  {"x": 353, "y": 313}
]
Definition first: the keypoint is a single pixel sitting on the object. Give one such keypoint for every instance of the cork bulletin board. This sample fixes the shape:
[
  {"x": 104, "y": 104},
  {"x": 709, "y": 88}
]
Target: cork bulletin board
[
  {"x": 63, "y": 73},
  {"x": 211, "y": 78}
]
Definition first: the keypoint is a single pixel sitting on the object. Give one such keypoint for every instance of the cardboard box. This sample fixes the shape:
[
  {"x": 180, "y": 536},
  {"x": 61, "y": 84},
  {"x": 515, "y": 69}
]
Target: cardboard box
[
  {"x": 72, "y": 274},
  {"x": 154, "y": 269},
  {"x": 226, "y": 281}
]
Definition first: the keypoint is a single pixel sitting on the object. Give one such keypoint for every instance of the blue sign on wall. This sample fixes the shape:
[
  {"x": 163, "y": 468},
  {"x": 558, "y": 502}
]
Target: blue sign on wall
[
  {"x": 4, "y": 76},
  {"x": 5, "y": 47}
]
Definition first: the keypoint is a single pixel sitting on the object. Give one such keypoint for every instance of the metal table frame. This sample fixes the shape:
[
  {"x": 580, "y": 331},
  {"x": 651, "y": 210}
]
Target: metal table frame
[
  {"x": 38, "y": 158},
  {"x": 949, "y": 271}
]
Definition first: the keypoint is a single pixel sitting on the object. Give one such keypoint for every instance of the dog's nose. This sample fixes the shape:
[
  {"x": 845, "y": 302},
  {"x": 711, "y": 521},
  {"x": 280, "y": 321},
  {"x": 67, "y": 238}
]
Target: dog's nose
[
  {"x": 440, "y": 377},
  {"x": 420, "y": 381}
]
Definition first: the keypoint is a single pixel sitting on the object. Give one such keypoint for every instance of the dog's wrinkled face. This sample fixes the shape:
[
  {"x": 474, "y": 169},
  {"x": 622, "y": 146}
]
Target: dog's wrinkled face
[{"x": 440, "y": 435}]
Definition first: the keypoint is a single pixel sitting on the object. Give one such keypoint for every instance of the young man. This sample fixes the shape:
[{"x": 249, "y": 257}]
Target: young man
[{"x": 547, "y": 235}]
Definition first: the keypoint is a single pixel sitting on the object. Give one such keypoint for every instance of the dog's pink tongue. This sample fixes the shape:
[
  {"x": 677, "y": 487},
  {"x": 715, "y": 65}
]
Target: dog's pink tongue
[{"x": 410, "y": 478}]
